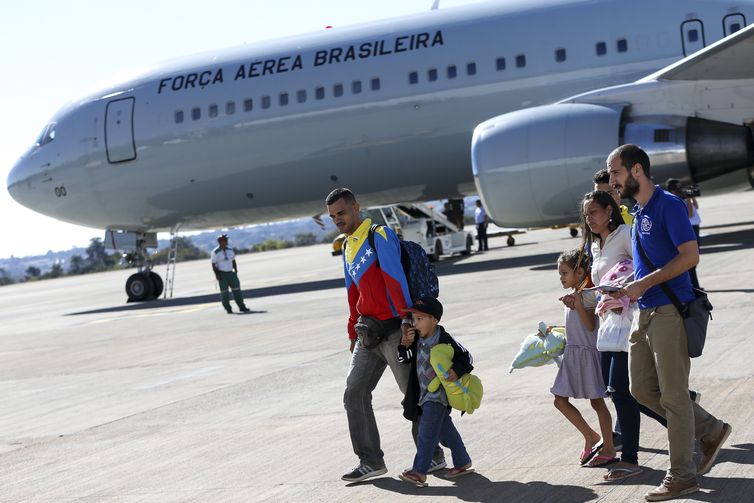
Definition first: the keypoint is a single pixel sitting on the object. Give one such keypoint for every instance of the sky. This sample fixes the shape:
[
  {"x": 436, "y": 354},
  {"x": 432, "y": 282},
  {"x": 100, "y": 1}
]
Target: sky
[{"x": 52, "y": 51}]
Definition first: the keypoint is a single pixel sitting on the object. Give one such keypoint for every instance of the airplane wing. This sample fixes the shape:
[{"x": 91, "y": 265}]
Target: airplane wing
[
  {"x": 728, "y": 58},
  {"x": 715, "y": 83}
]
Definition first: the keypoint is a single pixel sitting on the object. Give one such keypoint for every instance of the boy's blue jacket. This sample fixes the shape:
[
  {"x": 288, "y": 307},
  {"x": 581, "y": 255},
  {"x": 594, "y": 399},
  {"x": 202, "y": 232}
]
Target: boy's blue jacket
[{"x": 461, "y": 365}]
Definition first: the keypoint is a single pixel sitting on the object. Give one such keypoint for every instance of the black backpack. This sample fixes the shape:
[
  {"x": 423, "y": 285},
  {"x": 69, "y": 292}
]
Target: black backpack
[{"x": 420, "y": 273}]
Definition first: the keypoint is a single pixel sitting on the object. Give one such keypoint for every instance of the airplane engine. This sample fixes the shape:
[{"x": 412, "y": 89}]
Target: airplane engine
[{"x": 532, "y": 167}]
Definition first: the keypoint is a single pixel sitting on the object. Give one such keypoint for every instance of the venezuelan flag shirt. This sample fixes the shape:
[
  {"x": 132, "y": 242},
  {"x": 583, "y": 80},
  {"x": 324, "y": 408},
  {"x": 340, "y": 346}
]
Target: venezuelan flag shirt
[{"x": 375, "y": 281}]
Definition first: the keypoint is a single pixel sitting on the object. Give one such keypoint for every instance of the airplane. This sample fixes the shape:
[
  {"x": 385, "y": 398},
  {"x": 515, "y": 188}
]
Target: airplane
[{"x": 388, "y": 108}]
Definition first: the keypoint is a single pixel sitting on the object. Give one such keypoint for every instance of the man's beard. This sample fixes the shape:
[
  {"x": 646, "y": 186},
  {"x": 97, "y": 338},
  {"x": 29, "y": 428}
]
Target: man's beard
[{"x": 630, "y": 188}]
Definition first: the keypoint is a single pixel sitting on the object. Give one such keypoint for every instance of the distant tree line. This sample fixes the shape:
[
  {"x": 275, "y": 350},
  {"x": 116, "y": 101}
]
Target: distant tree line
[{"x": 97, "y": 258}]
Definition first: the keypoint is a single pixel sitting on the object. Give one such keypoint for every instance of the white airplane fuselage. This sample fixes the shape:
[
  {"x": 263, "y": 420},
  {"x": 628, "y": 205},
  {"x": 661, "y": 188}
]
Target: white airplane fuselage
[{"x": 121, "y": 158}]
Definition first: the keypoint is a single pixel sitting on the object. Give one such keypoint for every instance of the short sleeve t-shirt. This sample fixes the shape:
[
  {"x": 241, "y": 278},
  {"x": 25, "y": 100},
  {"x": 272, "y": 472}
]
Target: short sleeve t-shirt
[
  {"x": 661, "y": 226},
  {"x": 223, "y": 259},
  {"x": 480, "y": 216}
]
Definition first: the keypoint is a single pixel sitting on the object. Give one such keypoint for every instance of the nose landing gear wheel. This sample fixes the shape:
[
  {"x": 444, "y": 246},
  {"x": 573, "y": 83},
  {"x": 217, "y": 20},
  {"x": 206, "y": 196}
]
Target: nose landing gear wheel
[
  {"x": 157, "y": 284},
  {"x": 139, "y": 287}
]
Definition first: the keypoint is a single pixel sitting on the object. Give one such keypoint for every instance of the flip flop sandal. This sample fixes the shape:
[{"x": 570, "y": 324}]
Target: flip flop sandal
[
  {"x": 621, "y": 474},
  {"x": 412, "y": 478},
  {"x": 587, "y": 456},
  {"x": 457, "y": 472},
  {"x": 602, "y": 461}
]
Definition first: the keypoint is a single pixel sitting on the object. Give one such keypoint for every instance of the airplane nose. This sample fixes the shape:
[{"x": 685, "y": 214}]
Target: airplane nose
[
  {"x": 19, "y": 182},
  {"x": 14, "y": 177}
]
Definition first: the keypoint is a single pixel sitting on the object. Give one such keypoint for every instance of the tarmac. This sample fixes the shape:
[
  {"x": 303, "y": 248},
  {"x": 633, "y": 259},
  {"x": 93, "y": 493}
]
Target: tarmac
[{"x": 176, "y": 401}]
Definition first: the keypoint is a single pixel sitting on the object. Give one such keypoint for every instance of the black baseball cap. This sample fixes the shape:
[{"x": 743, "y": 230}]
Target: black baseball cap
[{"x": 427, "y": 305}]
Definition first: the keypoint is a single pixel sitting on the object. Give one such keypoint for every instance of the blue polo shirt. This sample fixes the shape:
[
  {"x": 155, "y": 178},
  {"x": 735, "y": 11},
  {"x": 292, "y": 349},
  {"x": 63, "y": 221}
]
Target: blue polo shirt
[{"x": 661, "y": 226}]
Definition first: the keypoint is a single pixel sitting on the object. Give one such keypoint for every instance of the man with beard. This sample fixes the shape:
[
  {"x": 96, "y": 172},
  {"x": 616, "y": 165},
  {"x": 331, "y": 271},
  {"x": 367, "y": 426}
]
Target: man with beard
[
  {"x": 378, "y": 295},
  {"x": 659, "y": 363}
]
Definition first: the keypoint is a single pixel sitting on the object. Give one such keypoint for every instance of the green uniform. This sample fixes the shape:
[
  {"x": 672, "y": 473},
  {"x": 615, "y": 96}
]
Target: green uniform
[{"x": 223, "y": 259}]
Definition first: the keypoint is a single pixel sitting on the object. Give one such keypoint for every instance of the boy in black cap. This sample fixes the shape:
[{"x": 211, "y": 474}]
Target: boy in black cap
[{"x": 435, "y": 424}]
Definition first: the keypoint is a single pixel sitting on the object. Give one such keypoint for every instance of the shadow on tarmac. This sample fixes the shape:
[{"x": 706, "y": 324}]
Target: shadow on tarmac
[
  {"x": 731, "y": 241},
  {"x": 728, "y": 241},
  {"x": 248, "y": 294},
  {"x": 728, "y": 489},
  {"x": 475, "y": 487},
  {"x": 478, "y": 488}
]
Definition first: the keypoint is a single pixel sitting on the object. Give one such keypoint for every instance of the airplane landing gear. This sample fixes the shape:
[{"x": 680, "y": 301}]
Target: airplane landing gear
[
  {"x": 144, "y": 284},
  {"x": 139, "y": 287}
]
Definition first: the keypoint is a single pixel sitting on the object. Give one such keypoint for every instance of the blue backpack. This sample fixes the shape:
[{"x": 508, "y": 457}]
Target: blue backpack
[{"x": 420, "y": 274}]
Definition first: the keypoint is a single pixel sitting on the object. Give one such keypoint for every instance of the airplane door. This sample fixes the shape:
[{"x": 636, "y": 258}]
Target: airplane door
[
  {"x": 692, "y": 36},
  {"x": 732, "y": 23},
  {"x": 119, "y": 130}
]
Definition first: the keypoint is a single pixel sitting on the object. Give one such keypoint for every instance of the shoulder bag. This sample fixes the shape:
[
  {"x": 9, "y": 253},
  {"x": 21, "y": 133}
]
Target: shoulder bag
[{"x": 696, "y": 314}]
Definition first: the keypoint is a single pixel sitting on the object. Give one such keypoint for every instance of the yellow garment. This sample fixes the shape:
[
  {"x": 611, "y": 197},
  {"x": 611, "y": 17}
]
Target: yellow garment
[
  {"x": 627, "y": 217},
  {"x": 465, "y": 394}
]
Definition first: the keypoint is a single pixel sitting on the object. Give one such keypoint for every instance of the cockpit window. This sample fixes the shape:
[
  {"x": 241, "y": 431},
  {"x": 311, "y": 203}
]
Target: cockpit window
[{"x": 48, "y": 134}]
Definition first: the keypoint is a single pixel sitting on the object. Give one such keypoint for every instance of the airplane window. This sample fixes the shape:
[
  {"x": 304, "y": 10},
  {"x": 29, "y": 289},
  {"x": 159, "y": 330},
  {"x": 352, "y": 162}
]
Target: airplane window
[
  {"x": 622, "y": 45},
  {"x": 601, "y": 48},
  {"x": 375, "y": 84},
  {"x": 196, "y": 113},
  {"x": 356, "y": 86},
  {"x": 230, "y": 108},
  {"x": 319, "y": 93},
  {"x": 301, "y": 96},
  {"x": 213, "y": 111},
  {"x": 470, "y": 68},
  {"x": 47, "y": 135},
  {"x": 282, "y": 99},
  {"x": 178, "y": 116},
  {"x": 337, "y": 90},
  {"x": 248, "y": 105},
  {"x": 521, "y": 61},
  {"x": 413, "y": 78},
  {"x": 693, "y": 35},
  {"x": 560, "y": 55},
  {"x": 266, "y": 102},
  {"x": 452, "y": 71},
  {"x": 500, "y": 64},
  {"x": 432, "y": 74}
]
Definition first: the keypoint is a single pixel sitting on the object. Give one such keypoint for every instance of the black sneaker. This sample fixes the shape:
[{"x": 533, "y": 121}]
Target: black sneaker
[
  {"x": 363, "y": 472},
  {"x": 245, "y": 310},
  {"x": 229, "y": 311}
]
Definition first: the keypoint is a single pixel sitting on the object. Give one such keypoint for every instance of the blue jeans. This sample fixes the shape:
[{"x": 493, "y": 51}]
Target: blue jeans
[
  {"x": 436, "y": 426},
  {"x": 367, "y": 367}
]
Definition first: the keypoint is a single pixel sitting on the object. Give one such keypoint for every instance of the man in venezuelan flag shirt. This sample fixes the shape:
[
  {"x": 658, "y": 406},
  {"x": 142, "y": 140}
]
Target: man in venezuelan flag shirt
[{"x": 377, "y": 288}]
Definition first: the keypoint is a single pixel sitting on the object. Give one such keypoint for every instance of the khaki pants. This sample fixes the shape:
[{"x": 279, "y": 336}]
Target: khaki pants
[{"x": 659, "y": 366}]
